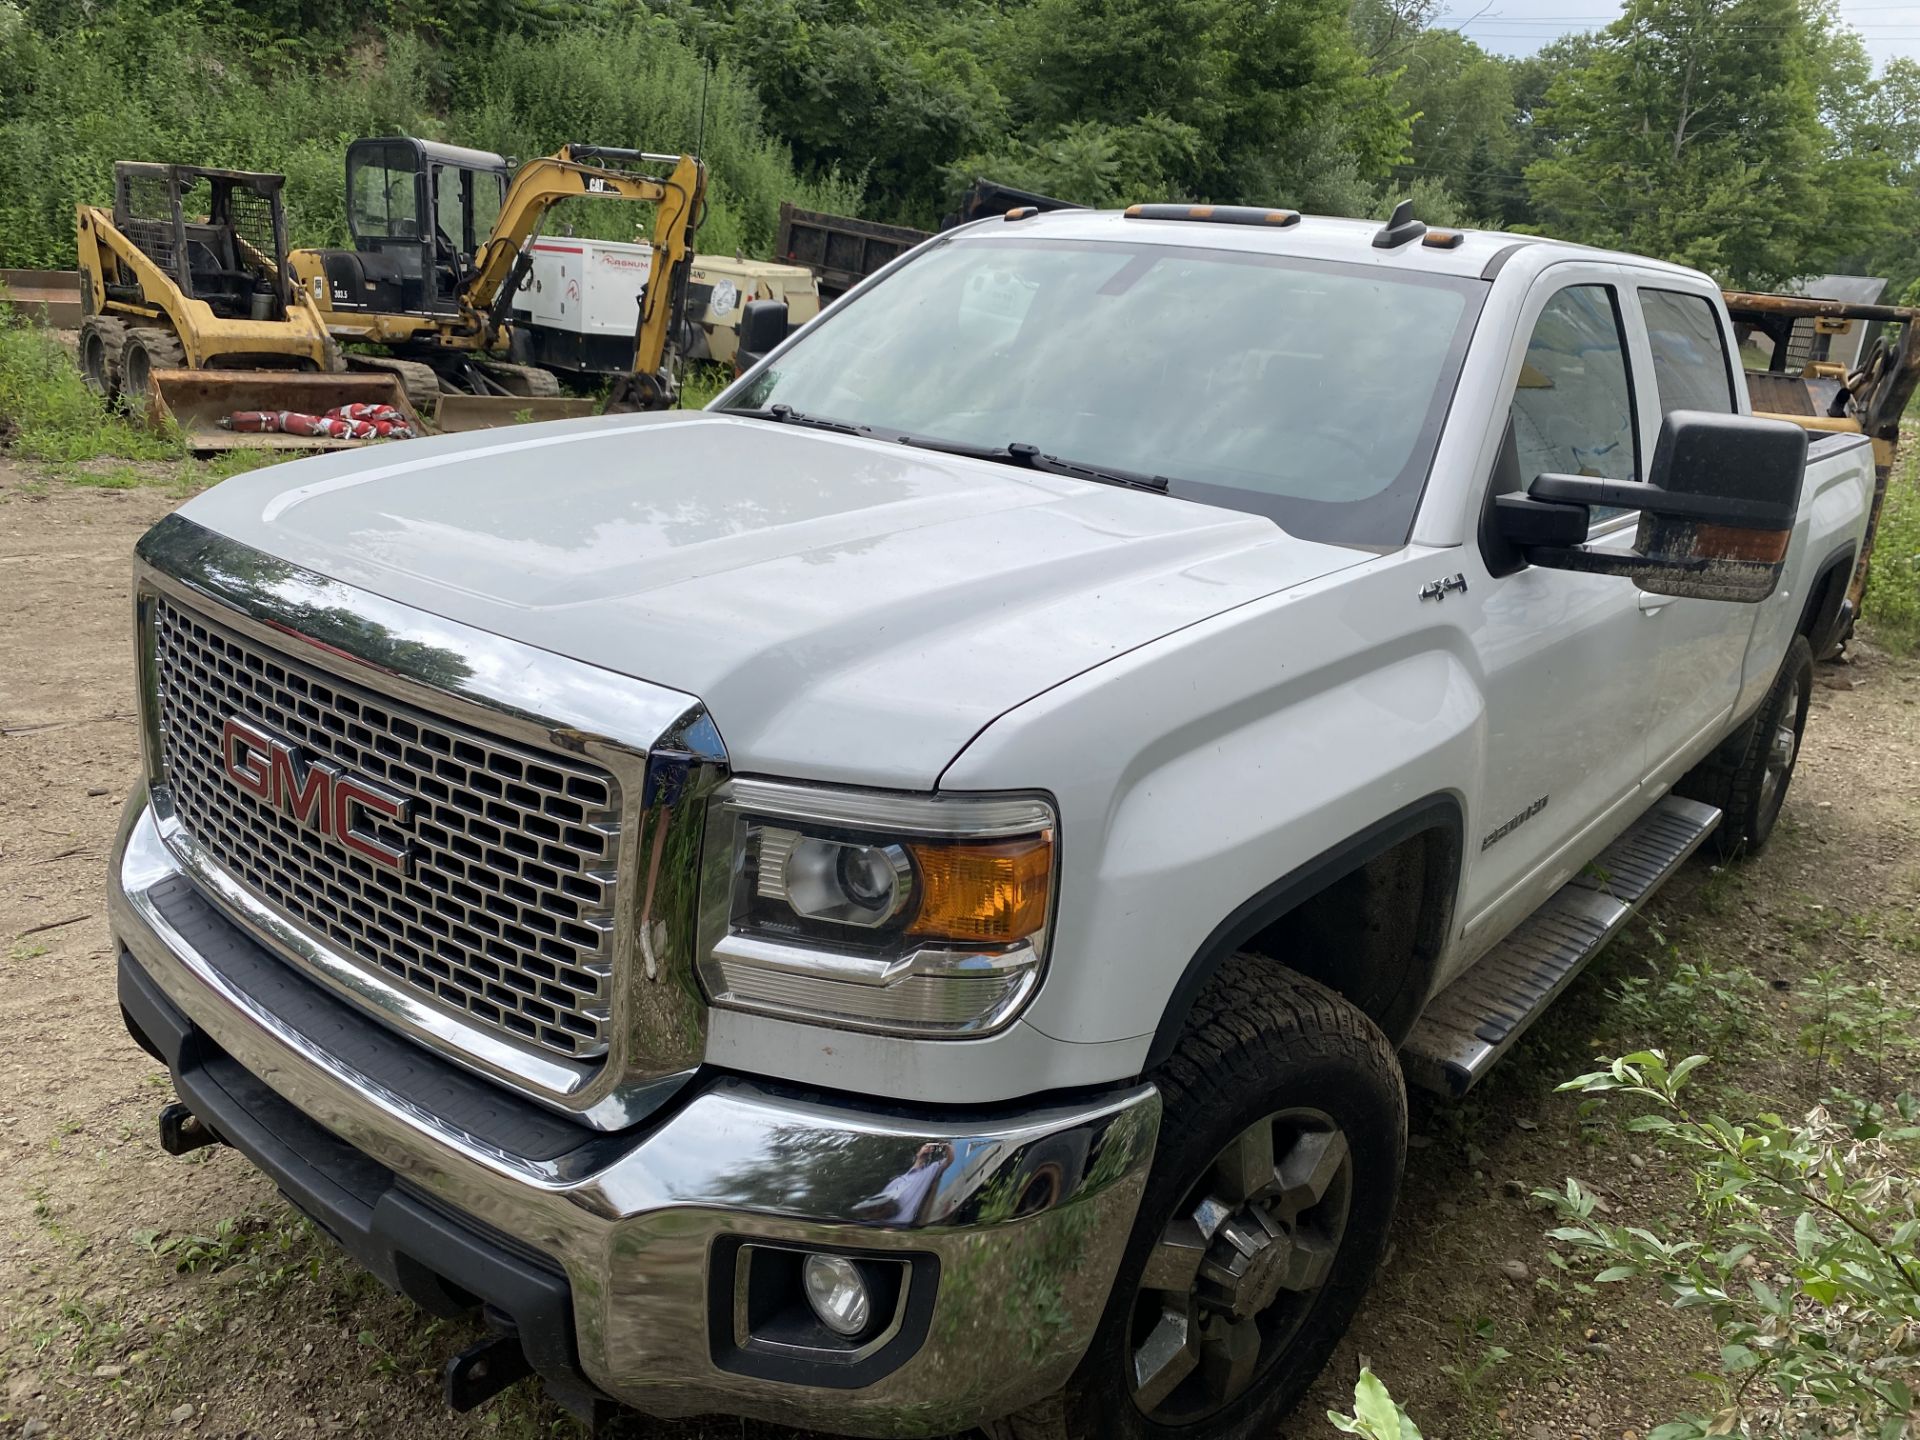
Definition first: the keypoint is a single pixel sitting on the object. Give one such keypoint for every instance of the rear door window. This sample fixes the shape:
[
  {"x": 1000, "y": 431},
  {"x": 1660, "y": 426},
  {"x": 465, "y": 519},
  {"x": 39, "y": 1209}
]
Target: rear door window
[{"x": 1690, "y": 366}]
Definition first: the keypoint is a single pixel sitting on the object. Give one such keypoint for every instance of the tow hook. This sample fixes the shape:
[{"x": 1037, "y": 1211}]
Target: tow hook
[
  {"x": 482, "y": 1371},
  {"x": 181, "y": 1130}
]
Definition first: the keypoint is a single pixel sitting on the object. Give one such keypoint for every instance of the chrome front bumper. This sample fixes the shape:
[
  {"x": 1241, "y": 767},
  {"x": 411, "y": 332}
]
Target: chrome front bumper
[{"x": 1023, "y": 1268}]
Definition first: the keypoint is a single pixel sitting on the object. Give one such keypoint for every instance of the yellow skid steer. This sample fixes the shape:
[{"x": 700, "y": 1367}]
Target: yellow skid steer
[{"x": 189, "y": 312}]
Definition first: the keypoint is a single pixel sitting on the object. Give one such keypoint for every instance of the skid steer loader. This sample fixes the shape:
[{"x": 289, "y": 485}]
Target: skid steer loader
[
  {"x": 189, "y": 313},
  {"x": 442, "y": 242}
]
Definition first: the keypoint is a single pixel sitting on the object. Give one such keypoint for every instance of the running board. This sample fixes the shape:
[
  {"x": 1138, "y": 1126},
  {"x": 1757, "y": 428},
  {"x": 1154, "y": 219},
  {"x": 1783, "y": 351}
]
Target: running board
[{"x": 1471, "y": 1023}]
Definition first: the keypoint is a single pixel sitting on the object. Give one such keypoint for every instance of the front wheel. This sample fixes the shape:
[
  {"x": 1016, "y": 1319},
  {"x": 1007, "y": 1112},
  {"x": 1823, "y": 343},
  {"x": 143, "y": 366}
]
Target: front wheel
[{"x": 1282, "y": 1144}]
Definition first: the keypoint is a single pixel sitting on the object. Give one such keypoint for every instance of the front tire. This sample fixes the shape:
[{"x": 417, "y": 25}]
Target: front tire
[
  {"x": 147, "y": 349},
  {"x": 102, "y": 338},
  {"x": 1282, "y": 1145}
]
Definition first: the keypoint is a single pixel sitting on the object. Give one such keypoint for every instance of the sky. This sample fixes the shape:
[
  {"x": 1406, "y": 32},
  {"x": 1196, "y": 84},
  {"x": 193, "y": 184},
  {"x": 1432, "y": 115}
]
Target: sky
[{"x": 1519, "y": 27}]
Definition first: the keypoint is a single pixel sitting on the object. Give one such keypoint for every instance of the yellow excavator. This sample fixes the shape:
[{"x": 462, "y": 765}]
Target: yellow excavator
[
  {"x": 442, "y": 241},
  {"x": 188, "y": 311}
]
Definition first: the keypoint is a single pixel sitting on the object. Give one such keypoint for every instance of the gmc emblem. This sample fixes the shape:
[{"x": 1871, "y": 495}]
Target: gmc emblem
[{"x": 313, "y": 793}]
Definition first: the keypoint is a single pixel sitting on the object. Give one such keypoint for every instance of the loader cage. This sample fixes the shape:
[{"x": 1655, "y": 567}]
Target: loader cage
[{"x": 220, "y": 235}]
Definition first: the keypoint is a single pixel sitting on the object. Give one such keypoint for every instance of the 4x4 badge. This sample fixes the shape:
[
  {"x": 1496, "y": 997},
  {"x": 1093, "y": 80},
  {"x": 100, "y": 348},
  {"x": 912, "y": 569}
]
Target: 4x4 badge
[{"x": 313, "y": 793}]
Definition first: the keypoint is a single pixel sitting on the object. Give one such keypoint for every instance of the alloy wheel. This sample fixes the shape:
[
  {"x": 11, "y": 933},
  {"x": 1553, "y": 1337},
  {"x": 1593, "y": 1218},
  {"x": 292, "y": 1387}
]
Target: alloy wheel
[
  {"x": 1237, "y": 1268},
  {"x": 1782, "y": 749}
]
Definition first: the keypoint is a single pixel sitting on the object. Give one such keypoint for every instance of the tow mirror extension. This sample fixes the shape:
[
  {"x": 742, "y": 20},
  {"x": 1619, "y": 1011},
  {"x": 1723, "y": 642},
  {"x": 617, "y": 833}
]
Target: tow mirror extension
[{"x": 1716, "y": 511}]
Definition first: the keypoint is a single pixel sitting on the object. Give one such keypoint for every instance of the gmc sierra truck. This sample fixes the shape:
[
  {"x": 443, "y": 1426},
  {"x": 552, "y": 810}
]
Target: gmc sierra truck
[{"x": 910, "y": 899}]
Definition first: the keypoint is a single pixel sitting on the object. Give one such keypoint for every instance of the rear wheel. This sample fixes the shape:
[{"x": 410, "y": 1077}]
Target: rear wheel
[
  {"x": 1748, "y": 776},
  {"x": 147, "y": 350},
  {"x": 102, "y": 338},
  {"x": 1282, "y": 1142}
]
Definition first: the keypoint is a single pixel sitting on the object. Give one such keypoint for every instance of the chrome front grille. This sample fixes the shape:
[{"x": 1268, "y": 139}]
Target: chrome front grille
[{"x": 505, "y": 914}]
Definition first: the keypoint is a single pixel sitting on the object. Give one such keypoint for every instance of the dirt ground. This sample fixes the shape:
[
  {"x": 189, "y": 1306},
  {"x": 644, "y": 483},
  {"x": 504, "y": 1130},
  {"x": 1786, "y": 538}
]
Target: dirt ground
[{"x": 142, "y": 1295}]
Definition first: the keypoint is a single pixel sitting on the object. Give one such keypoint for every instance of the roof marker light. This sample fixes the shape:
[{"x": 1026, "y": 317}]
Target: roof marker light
[{"x": 1217, "y": 214}]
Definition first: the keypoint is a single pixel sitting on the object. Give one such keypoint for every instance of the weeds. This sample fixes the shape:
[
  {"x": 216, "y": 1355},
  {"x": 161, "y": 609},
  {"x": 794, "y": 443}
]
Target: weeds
[
  {"x": 1800, "y": 1248},
  {"x": 1892, "y": 604},
  {"x": 1854, "y": 1020},
  {"x": 1477, "y": 1339},
  {"x": 1699, "y": 1002},
  {"x": 48, "y": 413},
  {"x": 271, "y": 1252},
  {"x": 1375, "y": 1416}
]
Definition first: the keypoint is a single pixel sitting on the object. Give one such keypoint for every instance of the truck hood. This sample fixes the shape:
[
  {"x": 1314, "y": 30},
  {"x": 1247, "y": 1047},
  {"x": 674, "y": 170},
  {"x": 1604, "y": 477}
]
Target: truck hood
[{"x": 848, "y": 609}]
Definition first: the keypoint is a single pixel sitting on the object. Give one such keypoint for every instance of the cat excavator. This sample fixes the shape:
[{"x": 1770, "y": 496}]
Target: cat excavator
[{"x": 442, "y": 241}]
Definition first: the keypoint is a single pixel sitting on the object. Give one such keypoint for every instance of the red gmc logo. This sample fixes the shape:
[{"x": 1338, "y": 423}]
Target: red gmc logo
[{"x": 311, "y": 792}]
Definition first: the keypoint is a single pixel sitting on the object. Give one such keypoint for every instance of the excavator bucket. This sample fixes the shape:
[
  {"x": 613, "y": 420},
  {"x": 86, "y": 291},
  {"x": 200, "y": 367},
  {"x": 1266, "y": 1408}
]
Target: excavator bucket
[
  {"x": 198, "y": 400},
  {"x": 484, "y": 412}
]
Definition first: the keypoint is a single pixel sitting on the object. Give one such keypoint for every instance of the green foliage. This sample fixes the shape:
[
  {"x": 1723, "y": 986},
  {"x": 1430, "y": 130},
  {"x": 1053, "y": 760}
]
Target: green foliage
[
  {"x": 142, "y": 82},
  {"x": 1892, "y": 605},
  {"x": 47, "y": 412},
  {"x": 1375, "y": 1415},
  {"x": 1851, "y": 1019},
  {"x": 1697, "y": 1002},
  {"x": 1693, "y": 133},
  {"x": 1800, "y": 1248}
]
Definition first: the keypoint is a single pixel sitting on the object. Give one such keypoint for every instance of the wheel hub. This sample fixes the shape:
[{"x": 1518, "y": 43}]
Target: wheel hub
[{"x": 1236, "y": 1268}]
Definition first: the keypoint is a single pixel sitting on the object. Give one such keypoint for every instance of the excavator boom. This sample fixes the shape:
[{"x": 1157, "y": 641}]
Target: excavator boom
[{"x": 589, "y": 171}]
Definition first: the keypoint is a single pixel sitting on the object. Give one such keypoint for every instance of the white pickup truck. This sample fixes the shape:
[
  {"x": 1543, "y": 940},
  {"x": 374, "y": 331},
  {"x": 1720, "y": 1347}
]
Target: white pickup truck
[{"x": 910, "y": 899}]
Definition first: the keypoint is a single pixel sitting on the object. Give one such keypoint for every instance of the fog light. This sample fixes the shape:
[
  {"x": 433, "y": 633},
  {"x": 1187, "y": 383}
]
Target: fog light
[{"x": 838, "y": 1294}]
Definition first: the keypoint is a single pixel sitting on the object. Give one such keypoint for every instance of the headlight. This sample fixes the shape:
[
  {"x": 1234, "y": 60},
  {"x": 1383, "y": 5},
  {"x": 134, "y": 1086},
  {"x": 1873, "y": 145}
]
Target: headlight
[{"x": 913, "y": 915}]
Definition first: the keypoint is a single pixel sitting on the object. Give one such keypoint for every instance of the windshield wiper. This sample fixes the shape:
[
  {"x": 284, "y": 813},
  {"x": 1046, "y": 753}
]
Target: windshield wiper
[
  {"x": 787, "y": 415},
  {"x": 1032, "y": 457}
]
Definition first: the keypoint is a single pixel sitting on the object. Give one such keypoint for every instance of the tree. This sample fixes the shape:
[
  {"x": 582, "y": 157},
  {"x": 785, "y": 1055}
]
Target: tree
[
  {"x": 1694, "y": 132},
  {"x": 1460, "y": 102}
]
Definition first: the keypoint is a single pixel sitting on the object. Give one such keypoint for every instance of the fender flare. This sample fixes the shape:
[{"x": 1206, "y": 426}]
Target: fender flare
[
  {"x": 1440, "y": 811},
  {"x": 1821, "y": 613}
]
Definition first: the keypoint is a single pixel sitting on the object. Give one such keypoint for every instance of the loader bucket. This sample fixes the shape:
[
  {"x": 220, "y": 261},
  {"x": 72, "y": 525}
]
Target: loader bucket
[
  {"x": 484, "y": 412},
  {"x": 197, "y": 400}
]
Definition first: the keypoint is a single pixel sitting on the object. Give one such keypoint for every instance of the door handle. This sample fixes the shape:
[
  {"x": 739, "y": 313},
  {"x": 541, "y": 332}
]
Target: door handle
[{"x": 1651, "y": 604}]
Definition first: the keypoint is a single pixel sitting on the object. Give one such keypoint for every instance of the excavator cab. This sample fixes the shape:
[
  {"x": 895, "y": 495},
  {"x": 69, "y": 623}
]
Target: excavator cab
[{"x": 419, "y": 212}]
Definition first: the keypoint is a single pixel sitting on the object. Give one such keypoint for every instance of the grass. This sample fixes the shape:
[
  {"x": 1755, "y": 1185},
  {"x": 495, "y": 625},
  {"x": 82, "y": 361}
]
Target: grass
[
  {"x": 48, "y": 413},
  {"x": 1892, "y": 606}
]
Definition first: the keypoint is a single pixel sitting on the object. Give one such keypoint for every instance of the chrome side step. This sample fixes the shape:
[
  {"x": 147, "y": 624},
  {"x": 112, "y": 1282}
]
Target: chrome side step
[{"x": 1471, "y": 1023}]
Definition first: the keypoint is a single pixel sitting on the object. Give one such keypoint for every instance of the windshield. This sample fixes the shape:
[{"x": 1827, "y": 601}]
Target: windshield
[{"x": 1308, "y": 392}]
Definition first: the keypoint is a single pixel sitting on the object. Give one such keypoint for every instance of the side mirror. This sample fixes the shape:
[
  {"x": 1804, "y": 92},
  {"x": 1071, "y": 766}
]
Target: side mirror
[
  {"x": 1716, "y": 511},
  {"x": 763, "y": 325}
]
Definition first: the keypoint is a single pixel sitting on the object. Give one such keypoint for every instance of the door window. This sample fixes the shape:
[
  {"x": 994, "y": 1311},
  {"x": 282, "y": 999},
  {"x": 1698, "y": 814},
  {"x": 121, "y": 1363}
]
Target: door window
[
  {"x": 450, "y": 207},
  {"x": 1690, "y": 367},
  {"x": 381, "y": 200},
  {"x": 1573, "y": 405}
]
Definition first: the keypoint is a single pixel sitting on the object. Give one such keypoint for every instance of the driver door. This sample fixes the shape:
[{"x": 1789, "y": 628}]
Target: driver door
[{"x": 1567, "y": 659}]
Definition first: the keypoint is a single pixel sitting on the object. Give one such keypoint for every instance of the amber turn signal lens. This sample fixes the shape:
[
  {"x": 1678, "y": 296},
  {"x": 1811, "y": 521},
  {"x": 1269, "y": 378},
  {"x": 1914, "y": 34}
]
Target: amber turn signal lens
[
  {"x": 984, "y": 894},
  {"x": 1730, "y": 542}
]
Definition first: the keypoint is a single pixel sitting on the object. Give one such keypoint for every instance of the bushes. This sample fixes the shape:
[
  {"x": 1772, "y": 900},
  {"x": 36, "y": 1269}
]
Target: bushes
[
  {"x": 1892, "y": 605},
  {"x": 202, "y": 87},
  {"x": 1800, "y": 1248},
  {"x": 48, "y": 413}
]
